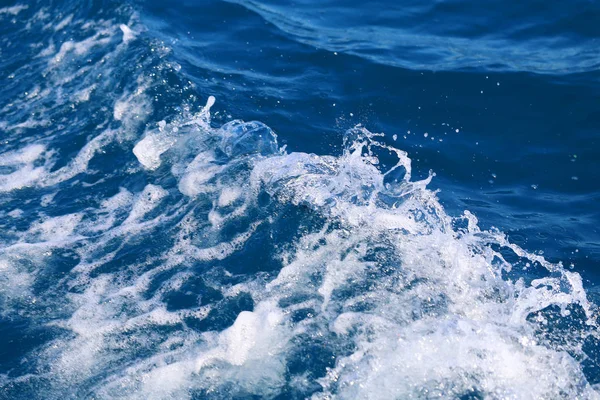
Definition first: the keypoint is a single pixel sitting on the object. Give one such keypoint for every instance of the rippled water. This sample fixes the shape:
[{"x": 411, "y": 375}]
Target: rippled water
[{"x": 299, "y": 200}]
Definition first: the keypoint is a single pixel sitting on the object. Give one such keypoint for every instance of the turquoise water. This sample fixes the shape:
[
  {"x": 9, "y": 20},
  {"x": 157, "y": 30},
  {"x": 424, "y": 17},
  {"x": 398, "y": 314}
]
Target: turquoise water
[{"x": 299, "y": 200}]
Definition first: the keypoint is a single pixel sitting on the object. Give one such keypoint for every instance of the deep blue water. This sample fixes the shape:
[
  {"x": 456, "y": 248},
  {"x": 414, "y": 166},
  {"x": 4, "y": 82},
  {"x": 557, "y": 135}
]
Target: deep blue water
[{"x": 387, "y": 200}]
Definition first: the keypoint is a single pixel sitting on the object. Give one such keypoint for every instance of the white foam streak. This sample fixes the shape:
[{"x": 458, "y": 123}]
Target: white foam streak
[
  {"x": 14, "y": 10},
  {"x": 25, "y": 172}
]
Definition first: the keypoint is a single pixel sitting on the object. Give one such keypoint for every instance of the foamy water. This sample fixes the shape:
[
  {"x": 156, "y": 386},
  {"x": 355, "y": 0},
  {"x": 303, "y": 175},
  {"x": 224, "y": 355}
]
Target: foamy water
[{"x": 165, "y": 255}]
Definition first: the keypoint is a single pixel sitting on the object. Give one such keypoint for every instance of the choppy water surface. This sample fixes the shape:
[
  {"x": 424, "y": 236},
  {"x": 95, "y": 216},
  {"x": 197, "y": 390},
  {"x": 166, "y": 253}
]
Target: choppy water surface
[{"x": 326, "y": 200}]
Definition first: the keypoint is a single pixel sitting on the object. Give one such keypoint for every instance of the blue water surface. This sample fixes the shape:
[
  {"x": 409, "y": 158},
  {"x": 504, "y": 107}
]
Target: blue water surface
[{"x": 387, "y": 199}]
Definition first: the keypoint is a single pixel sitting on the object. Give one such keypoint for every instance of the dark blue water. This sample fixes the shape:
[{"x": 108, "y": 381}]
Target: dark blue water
[{"x": 289, "y": 200}]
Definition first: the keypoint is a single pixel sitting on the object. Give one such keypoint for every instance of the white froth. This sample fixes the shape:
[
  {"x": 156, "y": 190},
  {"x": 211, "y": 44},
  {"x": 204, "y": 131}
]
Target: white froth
[
  {"x": 197, "y": 175},
  {"x": 24, "y": 173},
  {"x": 16, "y": 213},
  {"x": 64, "y": 23},
  {"x": 101, "y": 38},
  {"x": 15, "y": 282},
  {"x": 21, "y": 178},
  {"x": 436, "y": 320},
  {"x": 146, "y": 201},
  {"x": 84, "y": 94},
  {"x": 253, "y": 345},
  {"x": 229, "y": 195},
  {"x": 132, "y": 108},
  {"x": 56, "y": 228},
  {"x": 119, "y": 200},
  {"x": 48, "y": 50},
  {"x": 120, "y": 109},
  {"x": 222, "y": 250},
  {"x": 81, "y": 161},
  {"x": 30, "y": 123},
  {"x": 128, "y": 34},
  {"x": 410, "y": 306},
  {"x": 14, "y": 10},
  {"x": 25, "y": 155},
  {"x": 149, "y": 149}
]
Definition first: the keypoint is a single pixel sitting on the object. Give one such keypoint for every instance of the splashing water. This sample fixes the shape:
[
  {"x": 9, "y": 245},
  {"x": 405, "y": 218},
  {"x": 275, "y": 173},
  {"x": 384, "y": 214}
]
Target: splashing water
[
  {"x": 223, "y": 266},
  {"x": 379, "y": 293}
]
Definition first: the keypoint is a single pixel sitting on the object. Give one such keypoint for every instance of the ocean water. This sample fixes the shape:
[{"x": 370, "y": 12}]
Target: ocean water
[{"x": 299, "y": 200}]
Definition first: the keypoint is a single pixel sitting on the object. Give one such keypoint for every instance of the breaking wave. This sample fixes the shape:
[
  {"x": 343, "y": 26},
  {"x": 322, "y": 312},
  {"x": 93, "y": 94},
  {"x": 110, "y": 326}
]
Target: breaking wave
[{"x": 171, "y": 256}]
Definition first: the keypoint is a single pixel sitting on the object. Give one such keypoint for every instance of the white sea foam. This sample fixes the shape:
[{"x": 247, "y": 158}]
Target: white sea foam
[
  {"x": 16, "y": 213},
  {"x": 198, "y": 173},
  {"x": 55, "y": 229},
  {"x": 128, "y": 34},
  {"x": 24, "y": 171},
  {"x": 65, "y": 22},
  {"x": 228, "y": 195},
  {"x": 14, "y": 10},
  {"x": 25, "y": 155},
  {"x": 414, "y": 305},
  {"x": 80, "y": 48},
  {"x": 440, "y": 319},
  {"x": 378, "y": 294},
  {"x": 84, "y": 94},
  {"x": 146, "y": 202}
]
